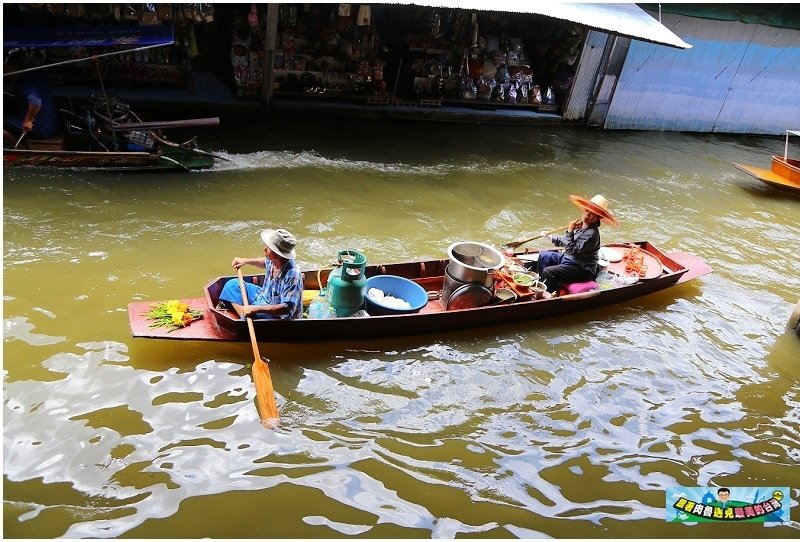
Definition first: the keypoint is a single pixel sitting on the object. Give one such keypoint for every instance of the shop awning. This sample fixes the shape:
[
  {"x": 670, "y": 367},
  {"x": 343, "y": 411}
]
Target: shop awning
[
  {"x": 88, "y": 36},
  {"x": 627, "y": 20}
]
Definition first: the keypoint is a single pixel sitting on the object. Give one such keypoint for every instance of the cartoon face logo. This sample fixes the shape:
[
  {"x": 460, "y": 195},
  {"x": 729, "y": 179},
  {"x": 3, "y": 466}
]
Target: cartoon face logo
[
  {"x": 723, "y": 494},
  {"x": 777, "y": 495}
]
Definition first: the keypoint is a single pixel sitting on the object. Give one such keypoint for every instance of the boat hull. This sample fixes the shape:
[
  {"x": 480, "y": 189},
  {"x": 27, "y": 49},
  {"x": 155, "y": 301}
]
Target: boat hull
[
  {"x": 131, "y": 161},
  {"x": 784, "y": 175},
  {"x": 225, "y": 325},
  {"x": 787, "y": 168}
]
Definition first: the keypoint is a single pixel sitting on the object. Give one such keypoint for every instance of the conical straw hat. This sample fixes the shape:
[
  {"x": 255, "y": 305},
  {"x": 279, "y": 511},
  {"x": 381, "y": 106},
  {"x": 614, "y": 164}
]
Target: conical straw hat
[{"x": 598, "y": 205}]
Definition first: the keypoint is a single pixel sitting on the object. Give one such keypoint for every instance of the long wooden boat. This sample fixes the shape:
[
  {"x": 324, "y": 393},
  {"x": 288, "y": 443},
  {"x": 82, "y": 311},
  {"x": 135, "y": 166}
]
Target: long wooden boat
[
  {"x": 784, "y": 173},
  {"x": 106, "y": 134},
  {"x": 121, "y": 142},
  {"x": 665, "y": 270},
  {"x": 164, "y": 159}
]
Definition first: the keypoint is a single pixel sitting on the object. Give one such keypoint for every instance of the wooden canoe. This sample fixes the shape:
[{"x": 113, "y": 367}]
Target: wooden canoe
[
  {"x": 223, "y": 325},
  {"x": 99, "y": 160},
  {"x": 784, "y": 173},
  {"x": 96, "y": 142}
]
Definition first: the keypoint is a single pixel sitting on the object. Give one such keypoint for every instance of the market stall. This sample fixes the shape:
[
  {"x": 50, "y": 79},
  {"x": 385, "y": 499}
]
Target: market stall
[{"x": 429, "y": 56}]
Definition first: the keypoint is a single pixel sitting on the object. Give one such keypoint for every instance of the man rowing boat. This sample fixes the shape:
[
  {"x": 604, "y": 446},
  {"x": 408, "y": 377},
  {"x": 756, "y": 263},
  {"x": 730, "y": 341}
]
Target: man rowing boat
[
  {"x": 579, "y": 261},
  {"x": 37, "y": 114},
  {"x": 281, "y": 296}
]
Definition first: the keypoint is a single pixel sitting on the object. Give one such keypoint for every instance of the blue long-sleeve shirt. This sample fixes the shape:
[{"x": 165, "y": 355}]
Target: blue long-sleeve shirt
[
  {"x": 33, "y": 89},
  {"x": 581, "y": 247}
]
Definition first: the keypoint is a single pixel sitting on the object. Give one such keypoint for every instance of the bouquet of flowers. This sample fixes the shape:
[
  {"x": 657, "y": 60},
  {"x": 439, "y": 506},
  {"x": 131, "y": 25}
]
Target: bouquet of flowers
[{"x": 173, "y": 314}]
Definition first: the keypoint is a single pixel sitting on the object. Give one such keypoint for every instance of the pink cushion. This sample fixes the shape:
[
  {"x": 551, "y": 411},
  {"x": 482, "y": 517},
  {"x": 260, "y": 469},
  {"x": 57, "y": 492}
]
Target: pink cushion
[{"x": 580, "y": 287}]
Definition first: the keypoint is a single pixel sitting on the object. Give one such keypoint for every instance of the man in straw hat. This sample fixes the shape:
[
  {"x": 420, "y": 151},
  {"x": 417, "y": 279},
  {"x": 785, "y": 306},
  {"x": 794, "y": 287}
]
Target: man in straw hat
[
  {"x": 281, "y": 296},
  {"x": 579, "y": 261}
]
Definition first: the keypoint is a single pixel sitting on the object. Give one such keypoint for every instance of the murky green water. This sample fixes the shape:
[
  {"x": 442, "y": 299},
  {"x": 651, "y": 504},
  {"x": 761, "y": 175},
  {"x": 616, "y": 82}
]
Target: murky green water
[{"x": 567, "y": 428}]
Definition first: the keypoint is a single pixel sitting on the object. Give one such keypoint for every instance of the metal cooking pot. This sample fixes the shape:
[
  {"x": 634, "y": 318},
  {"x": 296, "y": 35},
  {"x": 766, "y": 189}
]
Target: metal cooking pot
[{"x": 472, "y": 262}]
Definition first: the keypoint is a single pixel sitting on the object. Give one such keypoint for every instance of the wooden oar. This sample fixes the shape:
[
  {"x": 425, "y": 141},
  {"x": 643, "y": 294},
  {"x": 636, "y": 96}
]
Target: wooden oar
[
  {"x": 265, "y": 394},
  {"x": 515, "y": 244}
]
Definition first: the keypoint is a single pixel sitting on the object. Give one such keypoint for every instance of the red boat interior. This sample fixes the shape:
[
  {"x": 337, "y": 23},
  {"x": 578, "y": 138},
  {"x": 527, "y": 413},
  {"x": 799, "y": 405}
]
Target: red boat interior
[{"x": 430, "y": 275}]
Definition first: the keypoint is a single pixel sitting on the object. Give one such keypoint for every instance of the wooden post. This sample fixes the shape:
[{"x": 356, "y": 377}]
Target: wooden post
[{"x": 270, "y": 42}]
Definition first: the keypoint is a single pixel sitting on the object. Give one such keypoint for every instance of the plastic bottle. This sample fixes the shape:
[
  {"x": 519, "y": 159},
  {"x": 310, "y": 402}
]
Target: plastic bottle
[{"x": 320, "y": 308}]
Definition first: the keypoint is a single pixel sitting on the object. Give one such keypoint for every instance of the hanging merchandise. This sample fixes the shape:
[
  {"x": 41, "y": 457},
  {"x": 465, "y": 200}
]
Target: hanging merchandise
[
  {"x": 428, "y": 54},
  {"x": 498, "y": 94},
  {"x": 522, "y": 94},
  {"x": 536, "y": 95},
  {"x": 549, "y": 97},
  {"x": 207, "y": 12},
  {"x": 252, "y": 17},
  {"x": 475, "y": 64},
  {"x": 465, "y": 81},
  {"x": 364, "y": 15},
  {"x": 484, "y": 90},
  {"x": 511, "y": 97},
  {"x": 343, "y": 20},
  {"x": 149, "y": 15},
  {"x": 474, "y": 30},
  {"x": 436, "y": 25},
  {"x": 489, "y": 69},
  {"x": 164, "y": 12},
  {"x": 130, "y": 13}
]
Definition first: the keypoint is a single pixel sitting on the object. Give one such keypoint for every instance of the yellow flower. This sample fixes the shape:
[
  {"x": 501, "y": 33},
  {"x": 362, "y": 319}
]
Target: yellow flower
[
  {"x": 176, "y": 304},
  {"x": 173, "y": 314}
]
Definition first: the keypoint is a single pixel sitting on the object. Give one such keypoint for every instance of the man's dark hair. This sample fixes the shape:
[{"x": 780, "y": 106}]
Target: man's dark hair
[{"x": 723, "y": 490}]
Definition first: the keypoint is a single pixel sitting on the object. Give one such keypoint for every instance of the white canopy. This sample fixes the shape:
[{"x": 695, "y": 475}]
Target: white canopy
[{"x": 627, "y": 20}]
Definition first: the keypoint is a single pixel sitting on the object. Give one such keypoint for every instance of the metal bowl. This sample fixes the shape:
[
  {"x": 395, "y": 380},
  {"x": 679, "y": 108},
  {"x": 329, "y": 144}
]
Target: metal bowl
[{"x": 474, "y": 262}]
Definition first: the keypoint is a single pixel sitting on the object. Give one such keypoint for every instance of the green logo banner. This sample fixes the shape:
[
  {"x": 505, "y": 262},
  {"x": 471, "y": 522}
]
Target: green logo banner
[{"x": 728, "y": 504}]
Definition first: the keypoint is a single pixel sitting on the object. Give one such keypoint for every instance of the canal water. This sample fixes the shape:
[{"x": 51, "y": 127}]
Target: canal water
[{"x": 570, "y": 427}]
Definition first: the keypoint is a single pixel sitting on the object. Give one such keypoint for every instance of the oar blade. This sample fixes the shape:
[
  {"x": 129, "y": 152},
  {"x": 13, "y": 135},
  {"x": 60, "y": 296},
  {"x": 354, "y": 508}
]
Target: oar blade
[{"x": 265, "y": 395}]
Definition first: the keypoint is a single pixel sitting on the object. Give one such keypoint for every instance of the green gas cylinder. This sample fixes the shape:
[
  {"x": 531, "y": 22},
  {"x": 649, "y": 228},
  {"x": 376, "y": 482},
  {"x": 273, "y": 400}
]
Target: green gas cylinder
[{"x": 347, "y": 284}]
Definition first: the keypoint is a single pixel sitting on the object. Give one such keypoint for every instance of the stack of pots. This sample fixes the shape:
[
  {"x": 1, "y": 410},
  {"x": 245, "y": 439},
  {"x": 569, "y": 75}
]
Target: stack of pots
[{"x": 469, "y": 275}]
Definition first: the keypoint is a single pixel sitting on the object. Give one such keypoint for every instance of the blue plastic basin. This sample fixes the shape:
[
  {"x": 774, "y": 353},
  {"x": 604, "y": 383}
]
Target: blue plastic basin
[{"x": 398, "y": 287}]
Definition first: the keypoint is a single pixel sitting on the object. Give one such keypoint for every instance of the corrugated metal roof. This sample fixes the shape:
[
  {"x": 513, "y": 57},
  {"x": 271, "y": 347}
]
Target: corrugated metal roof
[{"x": 621, "y": 19}]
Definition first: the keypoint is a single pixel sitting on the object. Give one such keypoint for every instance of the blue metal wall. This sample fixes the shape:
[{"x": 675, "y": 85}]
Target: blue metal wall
[{"x": 736, "y": 78}]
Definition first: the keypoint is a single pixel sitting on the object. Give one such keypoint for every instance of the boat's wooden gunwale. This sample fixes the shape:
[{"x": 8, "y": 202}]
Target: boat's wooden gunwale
[
  {"x": 787, "y": 168},
  {"x": 101, "y": 160}
]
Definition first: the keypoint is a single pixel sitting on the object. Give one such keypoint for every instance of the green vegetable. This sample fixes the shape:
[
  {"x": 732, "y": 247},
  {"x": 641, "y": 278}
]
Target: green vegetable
[{"x": 523, "y": 280}]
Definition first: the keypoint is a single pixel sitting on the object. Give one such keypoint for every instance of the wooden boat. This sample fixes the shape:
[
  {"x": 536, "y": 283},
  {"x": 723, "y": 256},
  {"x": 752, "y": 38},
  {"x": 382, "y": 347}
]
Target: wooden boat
[
  {"x": 784, "y": 173},
  {"x": 105, "y": 135},
  {"x": 664, "y": 270},
  {"x": 108, "y": 136}
]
